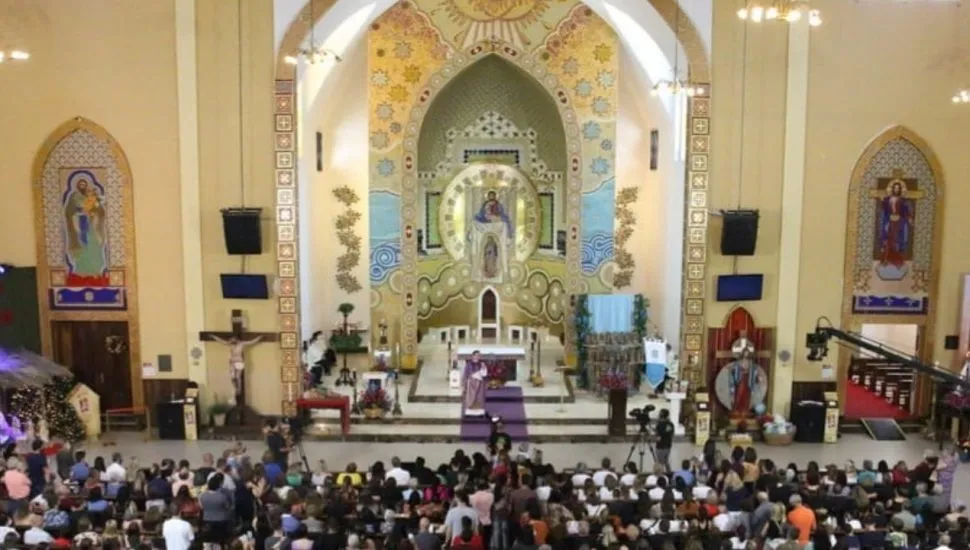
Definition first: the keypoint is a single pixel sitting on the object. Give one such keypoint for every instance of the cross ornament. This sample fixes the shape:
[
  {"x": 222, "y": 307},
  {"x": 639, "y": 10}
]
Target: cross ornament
[{"x": 238, "y": 340}]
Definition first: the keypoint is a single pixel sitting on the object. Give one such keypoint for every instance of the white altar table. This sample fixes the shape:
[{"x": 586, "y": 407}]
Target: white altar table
[{"x": 512, "y": 356}]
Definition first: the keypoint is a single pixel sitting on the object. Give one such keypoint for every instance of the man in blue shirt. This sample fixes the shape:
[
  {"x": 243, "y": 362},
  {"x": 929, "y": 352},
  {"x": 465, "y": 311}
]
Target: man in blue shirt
[{"x": 685, "y": 473}]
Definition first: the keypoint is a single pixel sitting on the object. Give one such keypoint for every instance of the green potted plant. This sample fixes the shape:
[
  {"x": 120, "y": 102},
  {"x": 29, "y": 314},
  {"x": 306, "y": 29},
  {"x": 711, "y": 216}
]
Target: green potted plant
[{"x": 218, "y": 411}]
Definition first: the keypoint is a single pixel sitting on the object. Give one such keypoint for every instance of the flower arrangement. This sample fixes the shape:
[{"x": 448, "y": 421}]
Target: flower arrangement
[
  {"x": 614, "y": 379},
  {"x": 537, "y": 380},
  {"x": 496, "y": 373},
  {"x": 375, "y": 399}
]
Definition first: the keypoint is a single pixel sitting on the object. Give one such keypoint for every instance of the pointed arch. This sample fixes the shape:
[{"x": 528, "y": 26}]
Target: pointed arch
[
  {"x": 891, "y": 271},
  {"x": 82, "y": 145}
]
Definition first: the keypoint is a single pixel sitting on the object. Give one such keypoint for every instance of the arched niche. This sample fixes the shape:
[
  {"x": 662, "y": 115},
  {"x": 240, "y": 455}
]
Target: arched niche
[
  {"x": 463, "y": 107},
  {"x": 894, "y": 231},
  {"x": 86, "y": 270}
]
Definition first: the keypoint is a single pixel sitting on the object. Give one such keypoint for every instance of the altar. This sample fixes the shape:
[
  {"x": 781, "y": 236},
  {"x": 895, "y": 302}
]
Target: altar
[{"x": 509, "y": 356}]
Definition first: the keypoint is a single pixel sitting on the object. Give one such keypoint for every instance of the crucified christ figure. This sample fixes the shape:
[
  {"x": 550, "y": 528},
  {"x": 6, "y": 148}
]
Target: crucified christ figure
[{"x": 237, "y": 362}]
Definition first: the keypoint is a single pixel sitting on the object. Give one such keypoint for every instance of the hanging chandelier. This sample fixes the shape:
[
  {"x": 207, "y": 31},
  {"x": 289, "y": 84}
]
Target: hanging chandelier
[
  {"x": 677, "y": 86},
  {"x": 791, "y": 11},
  {"x": 14, "y": 55},
  {"x": 314, "y": 53},
  {"x": 962, "y": 97}
]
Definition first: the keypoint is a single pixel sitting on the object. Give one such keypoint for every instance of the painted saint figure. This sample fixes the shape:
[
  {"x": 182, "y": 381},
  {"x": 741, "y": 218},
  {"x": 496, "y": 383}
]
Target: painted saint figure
[
  {"x": 490, "y": 261},
  {"x": 237, "y": 361},
  {"x": 84, "y": 224},
  {"x": 474, "y": 382},
  {"x": 493, "y": 211},
  {"x": 895, "y": 225},
  {"x": 744, "y": 379}
]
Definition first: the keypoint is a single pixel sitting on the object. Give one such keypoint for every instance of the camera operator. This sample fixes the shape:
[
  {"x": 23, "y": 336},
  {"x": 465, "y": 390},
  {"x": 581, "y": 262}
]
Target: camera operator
[
  {"x": 665, "y": 439},
  {"x": 277, "y": 443}
]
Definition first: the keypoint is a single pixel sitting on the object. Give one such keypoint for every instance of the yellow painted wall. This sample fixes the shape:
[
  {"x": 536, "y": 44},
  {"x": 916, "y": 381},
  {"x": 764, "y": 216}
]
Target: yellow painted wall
[
  {"x": 112, "y": 62},
  {"x": 747, "y": 149},
  {"x": 227, "y": 182}
]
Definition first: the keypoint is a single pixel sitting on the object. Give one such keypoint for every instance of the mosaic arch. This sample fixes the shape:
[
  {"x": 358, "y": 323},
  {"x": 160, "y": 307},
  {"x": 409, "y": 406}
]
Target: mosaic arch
[
  {"x": 85, "y": 237},
  {"x": 893, "y": 237},
  {"x": 696, "y": 191}
]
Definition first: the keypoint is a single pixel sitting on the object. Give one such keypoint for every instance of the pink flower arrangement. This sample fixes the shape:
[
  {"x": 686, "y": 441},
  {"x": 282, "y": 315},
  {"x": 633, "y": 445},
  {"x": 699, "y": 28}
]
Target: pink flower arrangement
[
  {"x": 614, "y": 380},
  {"x": 375, "y": 398},
  {"x": 496, "y": 370}
]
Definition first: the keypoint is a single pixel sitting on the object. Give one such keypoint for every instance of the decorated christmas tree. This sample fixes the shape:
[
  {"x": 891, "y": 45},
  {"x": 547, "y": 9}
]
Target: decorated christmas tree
[{"x": 49, "y": 402}]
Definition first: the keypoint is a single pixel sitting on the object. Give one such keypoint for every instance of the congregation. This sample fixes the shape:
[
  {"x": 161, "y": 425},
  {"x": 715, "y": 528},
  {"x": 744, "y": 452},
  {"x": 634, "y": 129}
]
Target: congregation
[{"x": 501, "y": 498}]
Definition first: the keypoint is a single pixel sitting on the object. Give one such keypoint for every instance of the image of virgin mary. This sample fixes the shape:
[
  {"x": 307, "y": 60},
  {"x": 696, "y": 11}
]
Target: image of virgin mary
[
  {"x": 493, "y": 211},
  {"x": 84, "y": 218}
]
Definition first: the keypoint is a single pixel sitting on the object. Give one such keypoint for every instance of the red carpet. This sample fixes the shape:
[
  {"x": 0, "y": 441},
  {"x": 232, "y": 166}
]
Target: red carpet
[{"x": 861, "y": 403}]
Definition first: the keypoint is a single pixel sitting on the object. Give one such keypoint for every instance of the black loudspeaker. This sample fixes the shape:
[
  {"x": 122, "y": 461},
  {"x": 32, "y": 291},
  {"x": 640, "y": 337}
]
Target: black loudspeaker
[
  {"x": 951, "y": 341},
  {"x": 241, "y": 229},
  {"x": 740, "y": 233},
  {"x": 809, "y": 420}
]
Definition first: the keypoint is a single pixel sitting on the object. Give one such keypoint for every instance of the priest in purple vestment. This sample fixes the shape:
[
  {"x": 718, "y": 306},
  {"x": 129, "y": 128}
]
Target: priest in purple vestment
[{"x": 474, "y": 381}]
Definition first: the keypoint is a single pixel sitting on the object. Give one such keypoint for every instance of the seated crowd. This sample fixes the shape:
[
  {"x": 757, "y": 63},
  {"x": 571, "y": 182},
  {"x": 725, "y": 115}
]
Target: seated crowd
[{"x": 504, "y": 500}]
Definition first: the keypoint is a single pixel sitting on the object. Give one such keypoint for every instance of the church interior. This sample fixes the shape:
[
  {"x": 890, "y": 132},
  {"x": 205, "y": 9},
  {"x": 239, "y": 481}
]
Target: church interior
[{"x": 384, "y": 214}]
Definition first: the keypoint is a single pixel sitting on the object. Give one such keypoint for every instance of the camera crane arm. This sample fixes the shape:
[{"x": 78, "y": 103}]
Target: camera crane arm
[{"x": 822, "y": 334}]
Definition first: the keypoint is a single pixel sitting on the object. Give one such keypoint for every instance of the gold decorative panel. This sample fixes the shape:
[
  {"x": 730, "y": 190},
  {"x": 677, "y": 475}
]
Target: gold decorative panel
[
  {"x": 695, "y": 238},
  {"x": 287, "y": 240}
]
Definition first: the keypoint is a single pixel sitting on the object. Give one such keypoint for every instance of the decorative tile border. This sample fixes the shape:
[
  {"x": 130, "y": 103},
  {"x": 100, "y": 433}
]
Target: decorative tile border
[
  {"x": 694, "y": 287},
  {"x": 287, "y": 244}
]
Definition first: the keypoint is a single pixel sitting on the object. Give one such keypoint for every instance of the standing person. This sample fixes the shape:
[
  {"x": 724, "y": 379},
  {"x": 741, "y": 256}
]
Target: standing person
[
  {"x": 217, "y": 510},
  {"x": 665, "y": 439},
  {"x": 277, "y": 444},
  {"x": 36, "y": 468},
  {"x": 482, "y": 500},
  {"x": 474, "y": 382},
  {"x": 178, "y": 533},
  {"x": 461, "y": 509},
  {"x": 499, "y": 440}
]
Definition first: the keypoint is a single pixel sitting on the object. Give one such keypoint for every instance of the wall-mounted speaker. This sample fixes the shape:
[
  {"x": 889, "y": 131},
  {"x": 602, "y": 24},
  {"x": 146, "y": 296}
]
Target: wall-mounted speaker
[
  {"x": 951, "y": 341},
  {"x": 240, "y": 227},
  {"x": 739, "y": 235}
]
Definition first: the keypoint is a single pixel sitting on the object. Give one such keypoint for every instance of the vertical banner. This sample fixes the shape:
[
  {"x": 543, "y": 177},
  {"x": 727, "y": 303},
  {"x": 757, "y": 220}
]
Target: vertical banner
[
  {"x": 655, "y": 352},
  {"x": 190, "y": 421},
  {"x": 831, "y": 431}
]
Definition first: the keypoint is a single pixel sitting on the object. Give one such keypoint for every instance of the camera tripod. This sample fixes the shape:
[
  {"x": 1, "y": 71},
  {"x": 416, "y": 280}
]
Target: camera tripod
[
  {"x": 302, "y": 451},
  {"x": 641, "y": 445}
]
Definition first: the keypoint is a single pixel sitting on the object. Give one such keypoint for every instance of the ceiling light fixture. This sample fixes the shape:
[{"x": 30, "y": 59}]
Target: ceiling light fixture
[
  {"x": 791, "y": 11},
  {"x": 314, "y": 53},
  {"x": 676, "y": 86}
]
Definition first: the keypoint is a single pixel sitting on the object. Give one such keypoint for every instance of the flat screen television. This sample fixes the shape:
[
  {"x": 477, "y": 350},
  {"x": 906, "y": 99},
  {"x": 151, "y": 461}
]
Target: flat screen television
[
  {"x": 242, "y": 286},
  {"x": 740, "y": 288}
]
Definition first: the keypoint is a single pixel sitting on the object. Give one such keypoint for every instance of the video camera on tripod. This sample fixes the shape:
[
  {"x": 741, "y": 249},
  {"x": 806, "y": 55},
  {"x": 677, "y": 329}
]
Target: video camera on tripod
[
  {"x": 642, "y": 416},
  {"x": 645, "y": 436}
]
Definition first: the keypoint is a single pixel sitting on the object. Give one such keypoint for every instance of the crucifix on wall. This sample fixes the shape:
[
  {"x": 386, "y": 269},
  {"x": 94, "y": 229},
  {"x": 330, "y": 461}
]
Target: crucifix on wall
[{"x": 238, "y": 340}]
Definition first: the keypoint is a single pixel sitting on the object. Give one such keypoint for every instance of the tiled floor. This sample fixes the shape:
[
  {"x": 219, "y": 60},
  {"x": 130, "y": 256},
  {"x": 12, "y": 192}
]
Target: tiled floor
[{"x": 337, "y": 455}]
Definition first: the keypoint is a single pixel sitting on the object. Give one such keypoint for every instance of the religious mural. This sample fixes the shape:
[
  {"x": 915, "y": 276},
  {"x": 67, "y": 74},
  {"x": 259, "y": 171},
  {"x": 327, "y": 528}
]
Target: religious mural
[
  {"x": 82, "y": 193},
  {"x": 489, "y": 234},
  {"x": 894, "y": 204}
]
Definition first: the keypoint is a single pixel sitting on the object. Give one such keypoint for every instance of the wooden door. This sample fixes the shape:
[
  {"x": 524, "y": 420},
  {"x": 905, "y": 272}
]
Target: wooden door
[{"x": 85, "y": 348}]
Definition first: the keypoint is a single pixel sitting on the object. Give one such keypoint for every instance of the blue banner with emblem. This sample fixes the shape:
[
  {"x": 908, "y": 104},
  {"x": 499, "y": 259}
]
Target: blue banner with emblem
[{"x": 655, "y": 354}]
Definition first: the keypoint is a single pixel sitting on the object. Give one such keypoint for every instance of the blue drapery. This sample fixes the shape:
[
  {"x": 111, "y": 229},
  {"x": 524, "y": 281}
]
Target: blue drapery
[{"x": 610, "y": 312}]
